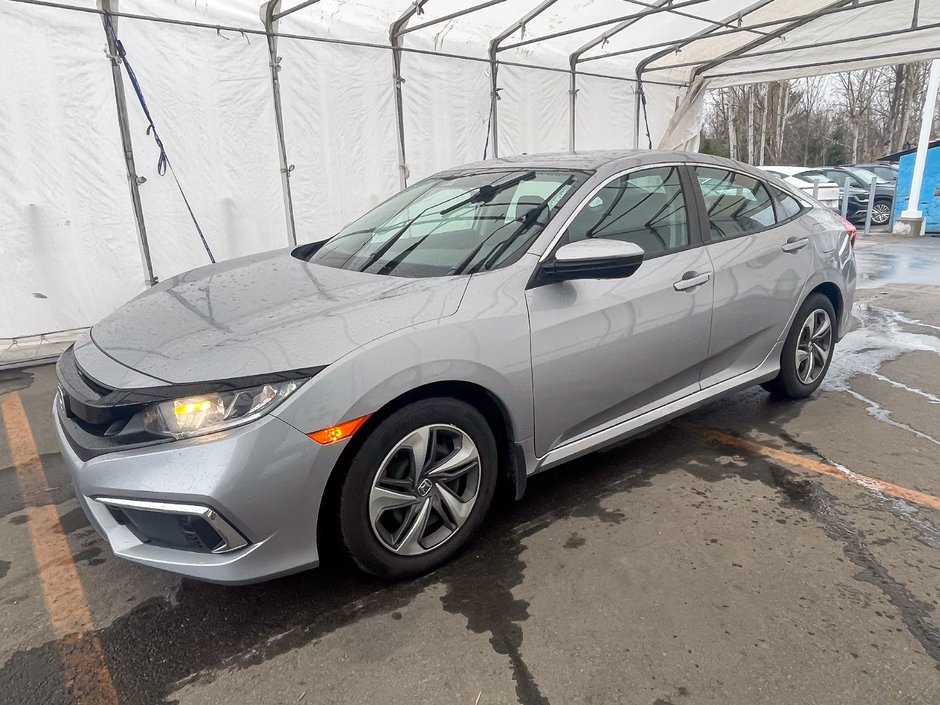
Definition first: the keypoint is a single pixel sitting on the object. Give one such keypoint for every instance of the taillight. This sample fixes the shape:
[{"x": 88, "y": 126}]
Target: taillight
[{"x": 851, "y": 231}]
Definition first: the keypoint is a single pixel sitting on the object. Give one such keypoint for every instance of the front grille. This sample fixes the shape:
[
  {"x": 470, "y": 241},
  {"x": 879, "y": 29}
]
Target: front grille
[
  {"x": 89, "y": 402},
  {"x": 95, "y": 418}
]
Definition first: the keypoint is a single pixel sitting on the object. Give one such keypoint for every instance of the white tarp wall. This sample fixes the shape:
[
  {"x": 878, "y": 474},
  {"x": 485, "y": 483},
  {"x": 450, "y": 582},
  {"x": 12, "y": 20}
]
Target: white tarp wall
[{"x": 68, "y": 243}]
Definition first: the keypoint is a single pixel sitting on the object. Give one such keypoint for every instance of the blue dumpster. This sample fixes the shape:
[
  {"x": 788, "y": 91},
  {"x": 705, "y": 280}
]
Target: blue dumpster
[{"x": 929, "y": 193}]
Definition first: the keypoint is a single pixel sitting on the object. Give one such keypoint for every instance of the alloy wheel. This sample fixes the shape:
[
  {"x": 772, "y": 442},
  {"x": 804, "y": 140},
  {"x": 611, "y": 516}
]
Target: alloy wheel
[
  {"x": 425, "y": 489},
  {"x": 880, "y": 213},
  {"x": 813, "y": 346}
]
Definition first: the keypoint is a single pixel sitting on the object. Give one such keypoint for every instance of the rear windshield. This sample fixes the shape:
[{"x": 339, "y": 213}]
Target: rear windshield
[{"x": 456, "y": 225}]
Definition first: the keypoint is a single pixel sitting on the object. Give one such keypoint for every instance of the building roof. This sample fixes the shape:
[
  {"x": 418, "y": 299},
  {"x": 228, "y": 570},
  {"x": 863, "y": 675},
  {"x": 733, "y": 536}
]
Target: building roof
[{"x": 896, "y": 156}]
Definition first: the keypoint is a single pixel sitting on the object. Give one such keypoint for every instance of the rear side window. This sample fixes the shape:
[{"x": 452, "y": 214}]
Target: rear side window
[
  {"x": 787, "y": 205},
  {"x": 644, "y": 207},
  {"x": 736, "y": 204}
]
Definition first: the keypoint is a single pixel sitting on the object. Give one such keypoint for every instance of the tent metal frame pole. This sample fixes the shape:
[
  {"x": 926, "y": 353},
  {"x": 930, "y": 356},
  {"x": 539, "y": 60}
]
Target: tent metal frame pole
[
  {"x": 704, "y": 33},
  {"x": 299, "y": 6},
  {"x": 572, "y": 103},
  {"x": 451, "y": 16},
  {"x": 127, "y": 146},
  {"x": 933, "y": 52},
  {"x": 575, "y": 57},
  {"x": 494, "y": 98},
  {"x": 637, "y": 107},
  {"x": 833, "y": 42},
  {"x": 270, "y": 18},
  {"x": 326, "y": 40},
  {"x": 689, "y": 15},
  {"x": 493, "y": 48},
  {"x": 776, "y": 34},
  {"x": 676, "y": 46},
  {"x": 675, "y": 5},
  {"x": 394, "y": 38},
  {"x": 712, "y": 32}
]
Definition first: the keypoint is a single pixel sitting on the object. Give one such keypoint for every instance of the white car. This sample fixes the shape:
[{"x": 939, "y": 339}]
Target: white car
[{"x": 829, "y": 193}]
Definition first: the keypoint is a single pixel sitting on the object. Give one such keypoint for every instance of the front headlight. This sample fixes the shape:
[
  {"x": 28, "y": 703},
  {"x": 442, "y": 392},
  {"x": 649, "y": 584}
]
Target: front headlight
[{"x": 207, "y": 413}]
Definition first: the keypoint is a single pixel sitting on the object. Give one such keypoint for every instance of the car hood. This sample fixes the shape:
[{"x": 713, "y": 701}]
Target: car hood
[{"x": 265, "y": 313}]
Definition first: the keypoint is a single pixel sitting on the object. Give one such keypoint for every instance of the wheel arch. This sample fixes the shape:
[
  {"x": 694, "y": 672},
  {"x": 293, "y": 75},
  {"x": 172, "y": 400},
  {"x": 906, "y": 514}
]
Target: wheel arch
[
  {"x": 831, "y": 292},
  {"x": 512, "y": 470}
]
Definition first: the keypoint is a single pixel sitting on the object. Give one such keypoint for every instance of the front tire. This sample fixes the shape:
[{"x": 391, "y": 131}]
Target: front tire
[
  {"x": 881, "y": 212},
  {"x": 418, "y": 488},
  {"x": 807, "y": 351}
]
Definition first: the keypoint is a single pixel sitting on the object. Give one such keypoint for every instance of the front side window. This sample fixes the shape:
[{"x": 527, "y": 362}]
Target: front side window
[
  {"x": 644, "y": 207},
  {"x": 813, "y": 176},
  {"x": 865, "y": 176},
  {"x": 886, "y": 173},
  {"x": 736, "y": 204},
  {"x": 452, "y": 225}
]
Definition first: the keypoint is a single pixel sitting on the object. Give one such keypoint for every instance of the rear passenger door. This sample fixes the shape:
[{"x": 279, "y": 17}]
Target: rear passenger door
[
  {"x": 606, "y": 350},
  {"x": 761, "y": 256}
]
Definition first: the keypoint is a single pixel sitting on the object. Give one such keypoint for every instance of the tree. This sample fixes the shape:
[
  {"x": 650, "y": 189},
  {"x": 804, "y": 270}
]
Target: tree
[{"x": 834, "y": 119}]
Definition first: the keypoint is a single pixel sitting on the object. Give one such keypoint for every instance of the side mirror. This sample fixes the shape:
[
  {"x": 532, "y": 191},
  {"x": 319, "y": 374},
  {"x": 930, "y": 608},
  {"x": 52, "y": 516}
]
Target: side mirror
[{"x": 592, "y": 259}]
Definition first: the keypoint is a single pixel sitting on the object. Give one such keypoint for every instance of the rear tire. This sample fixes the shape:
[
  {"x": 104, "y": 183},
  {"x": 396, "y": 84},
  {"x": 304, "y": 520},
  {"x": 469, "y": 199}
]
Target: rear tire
[
  {"x": 807, "y": 350},
  {"x": 418, "y": 488}
]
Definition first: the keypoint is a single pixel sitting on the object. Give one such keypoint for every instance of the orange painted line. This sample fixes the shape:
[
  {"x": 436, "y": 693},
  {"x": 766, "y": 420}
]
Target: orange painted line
[
  {"x": 83, "y": 659},
  {"x": 818, "y": 466}
]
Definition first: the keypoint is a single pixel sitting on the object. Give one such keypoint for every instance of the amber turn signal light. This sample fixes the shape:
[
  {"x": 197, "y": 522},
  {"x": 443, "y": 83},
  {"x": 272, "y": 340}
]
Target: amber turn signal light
[{"x": 340, "y": 432}]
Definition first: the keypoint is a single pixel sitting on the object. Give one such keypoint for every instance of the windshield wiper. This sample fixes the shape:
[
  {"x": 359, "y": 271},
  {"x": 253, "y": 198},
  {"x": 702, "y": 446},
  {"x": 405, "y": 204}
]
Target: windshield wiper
[
  {"x": 525, "y": 222},
  {"x": 487, "y": 192},
  {"x": 393, "y": 239}
]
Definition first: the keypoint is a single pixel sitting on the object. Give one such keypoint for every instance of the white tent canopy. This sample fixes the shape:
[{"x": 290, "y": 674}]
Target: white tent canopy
[{"x": 357, "y": 118}]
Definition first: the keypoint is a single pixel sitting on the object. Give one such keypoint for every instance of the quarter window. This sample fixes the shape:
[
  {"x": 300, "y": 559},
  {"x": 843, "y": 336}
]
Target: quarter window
[
  {"x": 788, "y": 205},
  {"x": 736, "y": 204},
  {"x": 644, "y": 207}
]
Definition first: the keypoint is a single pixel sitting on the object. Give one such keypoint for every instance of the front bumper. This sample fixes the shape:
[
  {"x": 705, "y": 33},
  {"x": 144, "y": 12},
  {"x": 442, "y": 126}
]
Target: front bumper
[{"x": 266, "y": 479}]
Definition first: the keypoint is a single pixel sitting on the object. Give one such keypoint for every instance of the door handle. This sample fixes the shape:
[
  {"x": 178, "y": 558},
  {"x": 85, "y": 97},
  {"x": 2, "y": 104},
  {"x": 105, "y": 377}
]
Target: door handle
[
  {"x": 795, "y": 244},
  {"x": 690, "y": 280}
]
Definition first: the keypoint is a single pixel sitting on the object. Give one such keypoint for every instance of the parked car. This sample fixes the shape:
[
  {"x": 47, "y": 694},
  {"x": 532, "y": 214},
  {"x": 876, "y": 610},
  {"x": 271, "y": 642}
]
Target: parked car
[
  {"x": 858, "y": 182},
  {"x": 883, "y": 170},
  {"x": 826, "y": 192},
  {"x": 488, "y": 322}
]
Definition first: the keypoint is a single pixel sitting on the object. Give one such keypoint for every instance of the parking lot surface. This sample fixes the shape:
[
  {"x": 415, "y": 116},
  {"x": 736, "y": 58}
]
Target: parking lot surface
[{"x": 754, "y": 551}]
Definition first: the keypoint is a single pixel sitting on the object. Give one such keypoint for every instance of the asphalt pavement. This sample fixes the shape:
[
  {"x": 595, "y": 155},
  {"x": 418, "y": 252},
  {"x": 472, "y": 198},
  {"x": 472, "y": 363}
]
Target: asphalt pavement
[{"x": 754, "y": 551}]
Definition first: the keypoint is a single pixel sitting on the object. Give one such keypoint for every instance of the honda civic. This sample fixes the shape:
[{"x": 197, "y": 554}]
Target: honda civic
[{"x": 376, "y": 390}]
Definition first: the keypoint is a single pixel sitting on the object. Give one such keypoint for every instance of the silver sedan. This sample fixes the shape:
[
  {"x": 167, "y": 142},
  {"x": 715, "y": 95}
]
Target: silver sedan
[{"x": 377, "y": 389}]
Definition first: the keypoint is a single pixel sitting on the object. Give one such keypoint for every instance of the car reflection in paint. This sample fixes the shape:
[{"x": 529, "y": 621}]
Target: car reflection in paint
[{"x": 488, "y": 322}]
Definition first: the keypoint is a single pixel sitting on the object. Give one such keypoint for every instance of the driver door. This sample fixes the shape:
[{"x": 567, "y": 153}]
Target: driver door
[{"x": 607, "y": 350}]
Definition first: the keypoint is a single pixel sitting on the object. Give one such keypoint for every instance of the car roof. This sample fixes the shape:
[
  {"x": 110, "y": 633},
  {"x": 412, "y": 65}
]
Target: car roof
[
  {"x": 600, "y": 161},
  {"x": 788, "y": 170}
]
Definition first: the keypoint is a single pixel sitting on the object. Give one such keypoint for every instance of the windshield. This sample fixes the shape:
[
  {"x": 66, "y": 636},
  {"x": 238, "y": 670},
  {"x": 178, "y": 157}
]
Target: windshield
[
  {"x": 452, "y": 225},
  {"x": 865, "y": 176}
]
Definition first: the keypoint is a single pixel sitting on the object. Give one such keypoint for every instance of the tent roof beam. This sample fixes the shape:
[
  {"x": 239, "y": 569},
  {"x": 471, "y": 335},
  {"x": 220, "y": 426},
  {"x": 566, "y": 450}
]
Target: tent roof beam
[
  {"x": 299, "y": 6},
  {"x": 701, "y": 34},
  {"x": 689, "y": 15},
  {"x": 677, "y": 4},
  {"x": 776, "y": 34},
  {"x": 831, "y": 42},
  {"x": 911, "y": 54},
  {"x": 451, "y": 16},
  {"x": 575, "y": 56},
  {"x": 673, "y": 45},
  {"x": 518, "y": 25}
]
